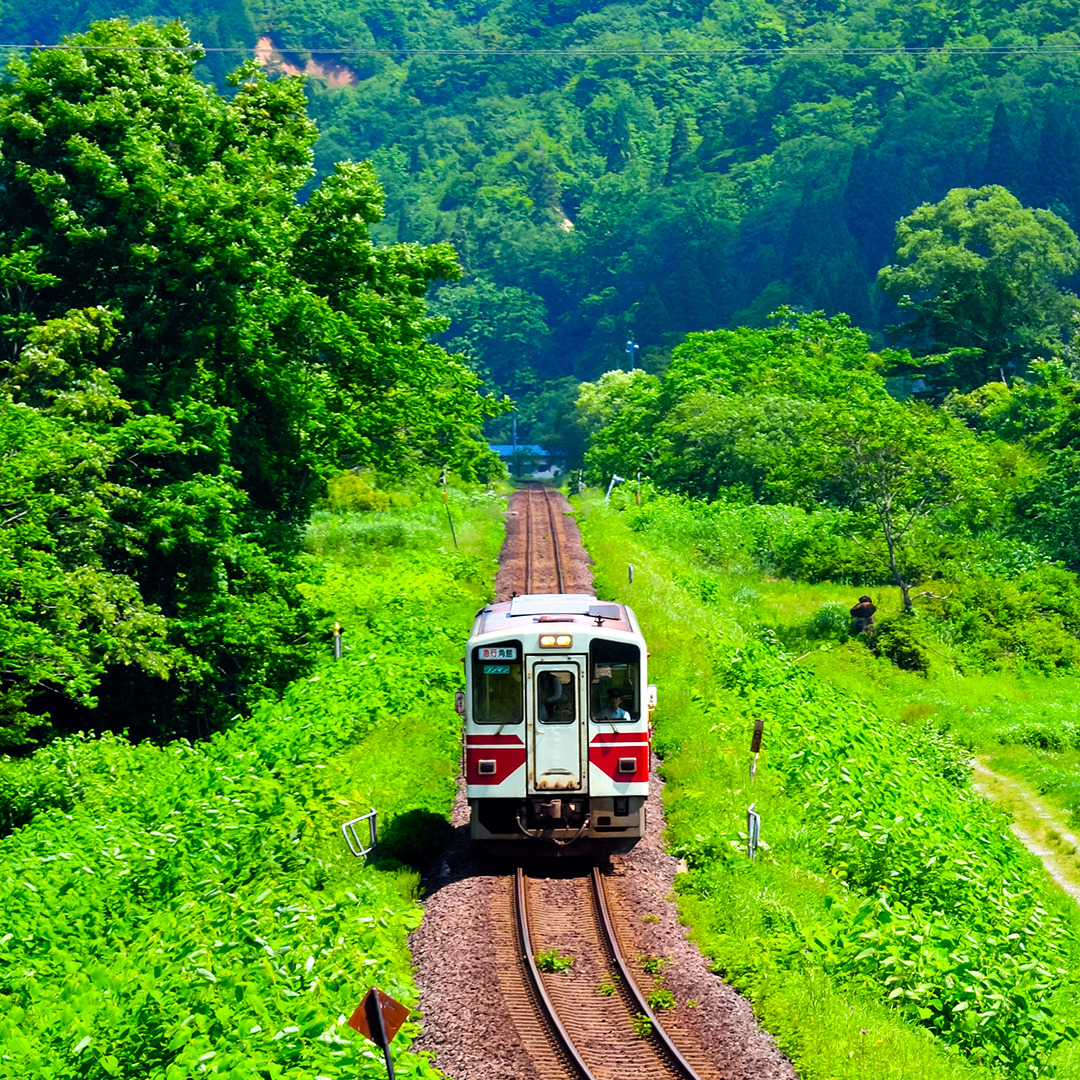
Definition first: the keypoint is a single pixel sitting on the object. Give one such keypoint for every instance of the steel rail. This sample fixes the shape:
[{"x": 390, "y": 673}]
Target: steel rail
[
  {"x": 546, "y": 1006},
  {"x": 528, "y": 540},
  {"x": 657, "y": 1030}
]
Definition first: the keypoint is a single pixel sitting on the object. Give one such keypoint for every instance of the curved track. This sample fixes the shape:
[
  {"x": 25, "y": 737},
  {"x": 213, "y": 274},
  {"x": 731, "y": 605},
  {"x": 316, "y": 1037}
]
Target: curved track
[{"x": 595, "y": 1017}]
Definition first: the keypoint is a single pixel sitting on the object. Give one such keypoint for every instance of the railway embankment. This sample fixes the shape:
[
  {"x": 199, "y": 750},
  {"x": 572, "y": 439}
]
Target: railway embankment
[
  {"x": 189, "y": 909},
  {"x": 892, "y": 924}
]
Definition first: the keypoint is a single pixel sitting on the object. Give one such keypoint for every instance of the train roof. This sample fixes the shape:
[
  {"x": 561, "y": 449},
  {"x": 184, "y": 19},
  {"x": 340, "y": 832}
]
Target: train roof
[{"x": 554, "y": 608}]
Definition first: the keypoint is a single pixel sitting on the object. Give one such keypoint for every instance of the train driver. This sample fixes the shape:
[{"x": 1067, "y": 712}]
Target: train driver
[
  {"x": 613, "y": 710},
  {"x": 551, "y": 694}
]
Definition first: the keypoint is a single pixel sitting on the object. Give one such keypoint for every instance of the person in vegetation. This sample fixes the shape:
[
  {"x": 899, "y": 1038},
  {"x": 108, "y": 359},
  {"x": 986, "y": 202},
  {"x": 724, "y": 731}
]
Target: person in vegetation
[{"x": 862, "y": 615}]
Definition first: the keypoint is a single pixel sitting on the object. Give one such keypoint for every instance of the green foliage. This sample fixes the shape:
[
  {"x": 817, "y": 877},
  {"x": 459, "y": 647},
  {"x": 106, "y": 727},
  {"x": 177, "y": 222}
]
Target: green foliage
[
  {"x": 193, "y": 350},
  {"x": 503, "y": 331},
  {"x": 660, "y": 997},
  {"x": 674, "y": 189},
  {"x": 886, "y": 879},
  {"x": 981, "y": 272},
  {"x": 619, "y": 412},
  {"x": 898, "y": 640},
  {"x": 1042, "y": 414},
  {"x": 893, "y": 465},
  {"x": 642, "y": 1026},
  {"x": 239, "y": 932},
  {"x": 554, "y": 962},
  {"x": 351, "y": 492},
  {"x": 831, "y": 622},
  {"x": 1042, "y": 735},
  {"x": 653, "y": 965},
  {"x": 1031, "y": 621}
]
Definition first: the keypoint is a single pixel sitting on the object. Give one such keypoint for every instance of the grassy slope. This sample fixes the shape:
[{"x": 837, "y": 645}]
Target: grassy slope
[
  {"x": 184, "y": 910},
  {"x": 831, "y": 1029}
]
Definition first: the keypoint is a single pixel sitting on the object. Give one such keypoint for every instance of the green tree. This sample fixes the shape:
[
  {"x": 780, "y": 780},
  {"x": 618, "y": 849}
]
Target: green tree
[
  {"x": 502, "y": 331},
  {"x": 66, "y": 615},
  {"x": 261, "y": 343},
  {"x": 711, "y": 441},
  {"x": 620, "y": 411},
  {"x": 893, "y": 465},
  {"x": 982, "y": 275}
]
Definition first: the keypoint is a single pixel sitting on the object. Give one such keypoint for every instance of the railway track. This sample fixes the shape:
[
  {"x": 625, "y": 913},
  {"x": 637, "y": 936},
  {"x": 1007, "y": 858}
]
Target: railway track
[
  {"x": 590, "y": 1022},
  {"x": 543, "y": 557}
]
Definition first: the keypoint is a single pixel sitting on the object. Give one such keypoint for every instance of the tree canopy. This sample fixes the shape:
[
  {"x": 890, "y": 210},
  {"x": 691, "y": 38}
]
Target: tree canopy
[
  {"x": 982, "y": 275},
  {"x": 235, "y": 347}
]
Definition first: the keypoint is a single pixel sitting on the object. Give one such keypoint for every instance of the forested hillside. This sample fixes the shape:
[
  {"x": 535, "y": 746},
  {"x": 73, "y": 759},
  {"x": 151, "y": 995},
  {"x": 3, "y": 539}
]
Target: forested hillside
[{"x": 643, "y": 170}]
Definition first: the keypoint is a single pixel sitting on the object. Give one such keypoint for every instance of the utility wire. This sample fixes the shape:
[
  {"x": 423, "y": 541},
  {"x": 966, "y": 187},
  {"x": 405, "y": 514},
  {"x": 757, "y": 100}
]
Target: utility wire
[{"x": 571, "y": 52}]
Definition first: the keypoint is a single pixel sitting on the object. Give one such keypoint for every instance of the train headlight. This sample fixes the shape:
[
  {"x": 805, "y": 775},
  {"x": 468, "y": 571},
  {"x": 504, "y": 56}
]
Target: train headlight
[{"x": 556, "y": 641}]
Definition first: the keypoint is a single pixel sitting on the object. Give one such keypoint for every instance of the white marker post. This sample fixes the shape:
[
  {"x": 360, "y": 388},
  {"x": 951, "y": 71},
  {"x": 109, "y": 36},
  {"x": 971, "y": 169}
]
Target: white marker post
[{"x": 753, "y": 819}]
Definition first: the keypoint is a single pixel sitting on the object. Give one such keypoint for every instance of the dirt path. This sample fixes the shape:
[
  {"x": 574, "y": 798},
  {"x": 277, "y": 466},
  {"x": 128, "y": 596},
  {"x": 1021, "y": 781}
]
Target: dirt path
[{"x": 1040, "y": 828}]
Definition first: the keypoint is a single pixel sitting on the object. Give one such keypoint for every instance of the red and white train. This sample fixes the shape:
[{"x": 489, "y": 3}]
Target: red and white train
[{"x": 557, "y": 708}]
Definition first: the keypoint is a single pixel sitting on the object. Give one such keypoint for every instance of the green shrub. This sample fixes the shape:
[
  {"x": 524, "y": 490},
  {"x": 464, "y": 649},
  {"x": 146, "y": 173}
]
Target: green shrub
[
  {"x": 1042, "y": 734},
  {"x": 898, "y": 640},
  {"x": 831, "y": 622},
  {"x": 353, "y": 492}
]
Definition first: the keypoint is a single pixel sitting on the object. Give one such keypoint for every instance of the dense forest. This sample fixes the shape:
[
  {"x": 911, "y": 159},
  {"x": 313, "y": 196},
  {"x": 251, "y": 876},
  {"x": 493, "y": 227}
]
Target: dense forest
[
  {"x": 636, "y": 171},
  {"x": 245, "y": 323},
  {"x": 210, "y": 308},
  {"x": 189, "y": 353}
]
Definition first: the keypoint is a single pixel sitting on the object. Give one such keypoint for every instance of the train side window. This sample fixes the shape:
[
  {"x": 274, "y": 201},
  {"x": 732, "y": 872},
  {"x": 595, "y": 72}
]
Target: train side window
[
  {"x": 556, "y": 697},
  {"x": 614, "y": 681},
  {"x": 498, "y": 687}
]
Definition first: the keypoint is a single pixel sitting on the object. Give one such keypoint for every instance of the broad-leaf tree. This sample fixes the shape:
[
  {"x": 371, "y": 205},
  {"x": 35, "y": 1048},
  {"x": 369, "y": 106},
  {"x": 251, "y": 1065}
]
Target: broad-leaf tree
[
  {"x": 260, "y": 344},
  {"x": 982, "y": 276},
  {"x": 893, "y": 465}
]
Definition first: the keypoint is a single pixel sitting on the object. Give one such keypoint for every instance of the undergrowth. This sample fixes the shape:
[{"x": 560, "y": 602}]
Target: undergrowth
[
  {"x": 191, "y": 909},
  {"x": 894, "y": 927}
]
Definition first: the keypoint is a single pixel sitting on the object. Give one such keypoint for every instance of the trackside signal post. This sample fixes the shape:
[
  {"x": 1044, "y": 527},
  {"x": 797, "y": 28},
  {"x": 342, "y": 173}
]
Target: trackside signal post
[{"x": 378, "y": 1018}]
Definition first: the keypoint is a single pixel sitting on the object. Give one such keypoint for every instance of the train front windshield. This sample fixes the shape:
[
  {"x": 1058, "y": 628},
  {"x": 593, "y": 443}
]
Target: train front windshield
[
  {"x": 615, "y": 681},
  {"x": 498, "y": 696}
]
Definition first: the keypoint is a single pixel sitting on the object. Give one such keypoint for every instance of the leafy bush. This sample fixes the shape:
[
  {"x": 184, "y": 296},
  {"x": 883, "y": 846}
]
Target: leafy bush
[
  {"x": 831, "y": 622},
  {"x": 919, "y": 858},
  {"x": 1042, "y": 735},
  {"x": 898, "y": 640},
  {"x": 353, "y": 492},
  {"x": 553, "y": 962},
  {"x": 1030, "y": 621}
]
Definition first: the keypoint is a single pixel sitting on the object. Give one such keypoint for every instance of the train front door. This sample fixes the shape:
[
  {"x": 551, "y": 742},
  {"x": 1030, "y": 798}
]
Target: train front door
[{"x": 556, "y": 714}]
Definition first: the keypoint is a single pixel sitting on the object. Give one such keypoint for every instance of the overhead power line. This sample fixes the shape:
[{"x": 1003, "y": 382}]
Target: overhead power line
[{"x": 585, "y": 51}]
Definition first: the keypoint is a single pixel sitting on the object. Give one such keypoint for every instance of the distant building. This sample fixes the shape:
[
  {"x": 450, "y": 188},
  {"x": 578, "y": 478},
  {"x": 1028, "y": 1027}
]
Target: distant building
[{"x": 529, "y": 461}]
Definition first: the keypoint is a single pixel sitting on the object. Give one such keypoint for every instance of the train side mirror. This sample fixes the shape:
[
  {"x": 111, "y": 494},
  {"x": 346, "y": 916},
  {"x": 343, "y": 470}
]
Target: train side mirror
[
  {"x": 459, "y": 702},
  {"x": 650, "y": 696}
]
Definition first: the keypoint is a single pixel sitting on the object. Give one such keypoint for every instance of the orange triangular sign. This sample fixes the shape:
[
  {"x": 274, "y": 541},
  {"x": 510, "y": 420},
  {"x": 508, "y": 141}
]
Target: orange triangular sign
[{"x": 394, "y": 1014}]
